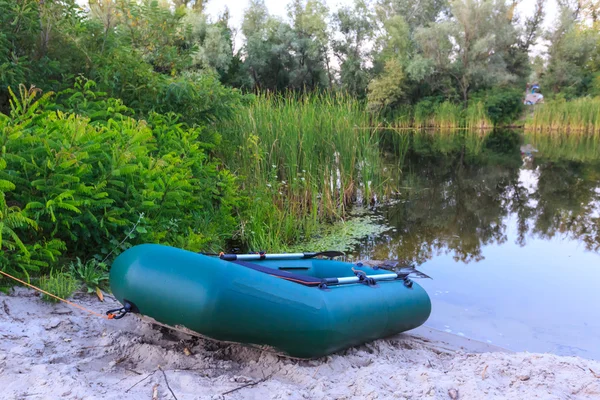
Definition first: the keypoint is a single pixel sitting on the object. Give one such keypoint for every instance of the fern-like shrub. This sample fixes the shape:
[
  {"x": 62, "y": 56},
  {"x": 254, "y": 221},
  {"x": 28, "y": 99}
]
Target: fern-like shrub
[{"x": 75, "y": 184}]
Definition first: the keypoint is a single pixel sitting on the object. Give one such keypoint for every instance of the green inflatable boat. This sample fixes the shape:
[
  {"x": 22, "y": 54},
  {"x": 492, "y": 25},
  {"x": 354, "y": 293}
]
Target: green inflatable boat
[{"x": 295, "y": 304}]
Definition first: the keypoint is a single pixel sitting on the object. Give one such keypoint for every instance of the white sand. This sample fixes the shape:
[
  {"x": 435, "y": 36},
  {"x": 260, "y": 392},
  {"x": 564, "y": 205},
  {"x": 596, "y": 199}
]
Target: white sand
[{"x": 58, "y": 352}]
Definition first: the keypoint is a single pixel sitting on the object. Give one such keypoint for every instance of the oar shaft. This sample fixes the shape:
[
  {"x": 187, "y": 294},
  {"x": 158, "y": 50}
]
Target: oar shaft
[
  {"x": 251, "y": 257},
  {"x": 283, "y": 256}
]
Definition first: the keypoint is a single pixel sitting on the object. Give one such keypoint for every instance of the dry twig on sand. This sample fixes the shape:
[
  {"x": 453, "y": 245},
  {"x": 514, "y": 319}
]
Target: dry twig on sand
[
  {"x": 167, "y": 382},
  {"x": 142, "y": 380},
  {"x": 248, "y": 384}
]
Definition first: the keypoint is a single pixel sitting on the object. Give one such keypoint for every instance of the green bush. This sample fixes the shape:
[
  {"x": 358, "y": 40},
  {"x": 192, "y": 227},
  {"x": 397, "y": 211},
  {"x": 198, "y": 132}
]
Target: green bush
[
  {"x": 33, "y": 47},
  {"x": 434, "y": 112},
  {"x": 59, "y": 284},
  {"x": 503, "y": 106},
  {"x": 75, "y": 185},
  {"x": 142, "y": 52},
  {"x": 423, "y": 112}
]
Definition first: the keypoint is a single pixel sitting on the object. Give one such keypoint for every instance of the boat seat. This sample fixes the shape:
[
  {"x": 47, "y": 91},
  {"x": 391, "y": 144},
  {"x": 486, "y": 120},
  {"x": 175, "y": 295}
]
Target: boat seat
[{"x": 288, "y": 276}]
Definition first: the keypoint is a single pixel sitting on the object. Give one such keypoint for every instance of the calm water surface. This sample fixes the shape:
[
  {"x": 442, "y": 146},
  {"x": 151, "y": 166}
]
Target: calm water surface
[{"x": 511, "y": 240}]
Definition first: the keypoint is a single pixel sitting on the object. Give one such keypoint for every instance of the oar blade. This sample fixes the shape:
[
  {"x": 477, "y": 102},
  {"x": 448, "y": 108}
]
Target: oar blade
[{"x": 412, "y": 271}]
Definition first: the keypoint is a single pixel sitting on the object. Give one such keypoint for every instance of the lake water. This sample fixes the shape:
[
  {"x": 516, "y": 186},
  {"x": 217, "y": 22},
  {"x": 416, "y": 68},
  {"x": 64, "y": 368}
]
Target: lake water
[{"x": 511, "y": 240}]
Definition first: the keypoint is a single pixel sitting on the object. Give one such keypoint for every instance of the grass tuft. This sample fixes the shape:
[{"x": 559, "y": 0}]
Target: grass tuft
[
  {"x": 579, "y": 116},
  {"x": 59, "y": 284}
]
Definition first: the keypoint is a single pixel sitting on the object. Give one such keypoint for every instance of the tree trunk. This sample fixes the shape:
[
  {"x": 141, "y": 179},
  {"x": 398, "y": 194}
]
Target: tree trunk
[
  {"x": 329, "y": 78},
  {"x": 44, "y": 33},
  {"x": 465, "y": 90}
]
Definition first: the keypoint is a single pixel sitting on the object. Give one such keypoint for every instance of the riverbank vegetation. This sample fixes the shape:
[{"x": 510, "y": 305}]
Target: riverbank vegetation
[
  {"x": 576, "y": 117},
  {"x": 130, "y": 121},
  {"x": 305, "y": 160},
  {"x": 443, "y": 116},
  {"x": 78, "y": 184}
]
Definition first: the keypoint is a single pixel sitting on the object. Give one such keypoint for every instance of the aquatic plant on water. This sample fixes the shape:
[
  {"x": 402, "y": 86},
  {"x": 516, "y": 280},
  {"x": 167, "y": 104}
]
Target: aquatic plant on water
[{"x": 342, "y": 235}]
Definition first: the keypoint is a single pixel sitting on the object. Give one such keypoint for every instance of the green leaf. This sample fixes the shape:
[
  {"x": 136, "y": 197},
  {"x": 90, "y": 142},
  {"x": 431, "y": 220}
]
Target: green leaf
[{"x": 6, "y": 186}]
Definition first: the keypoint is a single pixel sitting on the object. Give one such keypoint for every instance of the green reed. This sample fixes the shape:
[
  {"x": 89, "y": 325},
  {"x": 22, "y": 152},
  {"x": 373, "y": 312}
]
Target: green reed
[
  {"x": 303, "y": 160},
  {"x": 444, "y": 116},
  {"x": 579, "y": 116},
  {"x": 476, "y": 117}
]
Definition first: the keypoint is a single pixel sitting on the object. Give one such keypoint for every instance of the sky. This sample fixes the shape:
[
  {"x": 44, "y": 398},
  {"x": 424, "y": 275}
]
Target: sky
[{"x": 279, "y": 7}]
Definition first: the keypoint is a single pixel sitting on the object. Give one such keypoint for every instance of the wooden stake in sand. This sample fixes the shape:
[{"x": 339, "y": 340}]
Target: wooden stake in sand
[{"x": 483, "y": 373}]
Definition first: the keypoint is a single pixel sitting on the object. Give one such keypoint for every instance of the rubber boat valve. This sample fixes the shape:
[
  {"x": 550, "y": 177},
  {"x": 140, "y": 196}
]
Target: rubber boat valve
[{"x": 119, "y": 313}]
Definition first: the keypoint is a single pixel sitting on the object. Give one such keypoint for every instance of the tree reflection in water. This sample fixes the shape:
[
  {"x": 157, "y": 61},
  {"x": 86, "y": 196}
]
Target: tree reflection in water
[{"x": 462, "y": 191}]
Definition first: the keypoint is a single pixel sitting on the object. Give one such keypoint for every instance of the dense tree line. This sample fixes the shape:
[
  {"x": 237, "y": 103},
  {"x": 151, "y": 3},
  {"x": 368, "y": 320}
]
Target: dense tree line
[
  {"x": 152, "y": 55},
  {"x": 156, "y": 54},
  {"x": 400, "y": 51}
]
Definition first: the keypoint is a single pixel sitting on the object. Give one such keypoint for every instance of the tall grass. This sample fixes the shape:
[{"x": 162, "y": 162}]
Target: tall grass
[
  {"x": 59, "y": 284},
  {"x": 444, "y": 116},
  {"x": 304, "y": 161},
  {"x": 476, "y": 117},
  {"x": 576, "y": 116},
  {"x": 401, "y": 117}
]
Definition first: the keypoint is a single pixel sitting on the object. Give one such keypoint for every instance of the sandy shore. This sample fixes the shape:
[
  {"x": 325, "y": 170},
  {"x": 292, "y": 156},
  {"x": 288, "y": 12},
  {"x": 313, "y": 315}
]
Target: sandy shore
[{"x": 58, "y": 352}]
